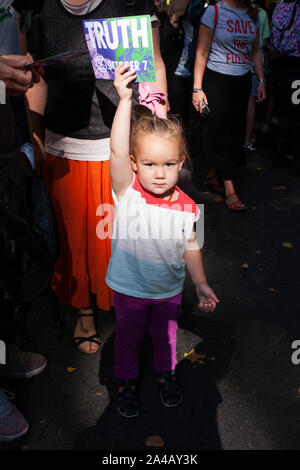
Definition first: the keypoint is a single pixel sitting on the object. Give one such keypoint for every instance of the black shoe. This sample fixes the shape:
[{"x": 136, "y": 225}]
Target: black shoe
[
  {"x": 127, "y": 399},
  {"x": 170, "y": 393}
]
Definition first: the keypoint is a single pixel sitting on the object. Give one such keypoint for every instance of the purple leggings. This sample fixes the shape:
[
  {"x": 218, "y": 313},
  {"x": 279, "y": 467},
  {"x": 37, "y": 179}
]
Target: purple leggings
[{"x": 136, "y": 317}]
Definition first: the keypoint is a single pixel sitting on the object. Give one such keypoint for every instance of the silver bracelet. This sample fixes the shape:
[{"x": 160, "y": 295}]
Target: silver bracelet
[
  {"x": 261, "y": 80},
  {"x": 197, "y": 90}
]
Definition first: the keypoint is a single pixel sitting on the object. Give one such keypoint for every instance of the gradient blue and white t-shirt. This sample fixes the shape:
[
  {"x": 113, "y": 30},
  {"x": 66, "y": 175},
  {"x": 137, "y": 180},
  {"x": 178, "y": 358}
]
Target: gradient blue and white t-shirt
[
  {"x": 234, "y": 36},
  {"x": 149, "y": 238}
]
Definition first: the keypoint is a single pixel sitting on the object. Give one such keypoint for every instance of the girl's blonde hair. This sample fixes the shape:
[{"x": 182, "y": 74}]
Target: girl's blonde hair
[{"x": 146, "y": 123}]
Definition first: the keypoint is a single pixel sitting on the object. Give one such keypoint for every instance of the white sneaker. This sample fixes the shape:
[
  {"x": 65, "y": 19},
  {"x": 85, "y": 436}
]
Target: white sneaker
[{"x": 249, "y": 148}]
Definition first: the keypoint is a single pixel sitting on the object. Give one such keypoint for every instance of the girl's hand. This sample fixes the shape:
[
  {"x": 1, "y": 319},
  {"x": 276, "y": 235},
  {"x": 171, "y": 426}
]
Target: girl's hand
[
  {"x": 122, "y": 81},
  {"x": 198, "y": 99},
  {"x": 207, "y": 298},
  {"x": 261, "y": 92}
]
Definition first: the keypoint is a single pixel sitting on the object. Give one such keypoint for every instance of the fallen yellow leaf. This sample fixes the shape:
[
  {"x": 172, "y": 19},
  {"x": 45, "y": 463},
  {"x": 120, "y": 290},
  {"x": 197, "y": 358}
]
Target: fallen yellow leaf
[
  {"x": 245, "y": 265},
  {"x": 194, "y": 357},
  {"x": 298, "y": 390},
  {"x": 218, "y": 199},
  {"x": 258, "y": 252},
  {"x": 71, "y": 369},
  {"x": 288, "y": 245},
  {"x": 272, "y": 289},
  {"x": 99, "y": 394},
  {"x": 154, "y": 441},
  {"x": 259, "y": 169}
]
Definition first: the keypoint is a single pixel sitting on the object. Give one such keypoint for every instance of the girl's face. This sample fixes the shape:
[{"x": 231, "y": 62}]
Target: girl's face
[{"x": 157, "y": 162}]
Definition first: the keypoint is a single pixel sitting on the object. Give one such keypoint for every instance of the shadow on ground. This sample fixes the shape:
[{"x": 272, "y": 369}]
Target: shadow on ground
[{"x": 193, "y": 425}]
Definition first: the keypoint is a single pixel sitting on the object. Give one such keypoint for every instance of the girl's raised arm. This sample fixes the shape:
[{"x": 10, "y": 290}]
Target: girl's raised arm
[{"x": 120, "y": 163}]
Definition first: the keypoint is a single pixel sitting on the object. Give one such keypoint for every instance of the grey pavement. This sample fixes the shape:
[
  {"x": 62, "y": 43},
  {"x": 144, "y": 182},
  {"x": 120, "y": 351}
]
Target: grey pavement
[{"x": 241, "y": 390}]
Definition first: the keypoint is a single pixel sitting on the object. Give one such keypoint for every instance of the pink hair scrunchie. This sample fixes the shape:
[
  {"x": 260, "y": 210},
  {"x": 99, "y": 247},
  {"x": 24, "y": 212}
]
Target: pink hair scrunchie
[{"x": 152, "y": 97}]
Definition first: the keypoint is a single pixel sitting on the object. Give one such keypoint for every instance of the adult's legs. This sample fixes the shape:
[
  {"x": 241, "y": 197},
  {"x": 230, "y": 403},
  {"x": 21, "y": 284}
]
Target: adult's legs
[
  {"x": 223, "y": 130},
  {"x": 239, "y": 91},
  {"x": 99, "y": 230},
  {"x": 67, "y": 185},
  {"x": 180, "y": 97}
]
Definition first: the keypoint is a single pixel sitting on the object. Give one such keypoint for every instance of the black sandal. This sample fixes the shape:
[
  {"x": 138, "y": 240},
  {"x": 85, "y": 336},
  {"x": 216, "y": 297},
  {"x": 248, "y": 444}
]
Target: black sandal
[
  {"x": 170, "y": 393},
  {"x": 95, "y": 338},
  {"x": 127, "y": 399}
]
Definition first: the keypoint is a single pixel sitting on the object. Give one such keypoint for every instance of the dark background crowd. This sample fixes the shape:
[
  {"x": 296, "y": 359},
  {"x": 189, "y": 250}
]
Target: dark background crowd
[{"x": 30, "y": 230}]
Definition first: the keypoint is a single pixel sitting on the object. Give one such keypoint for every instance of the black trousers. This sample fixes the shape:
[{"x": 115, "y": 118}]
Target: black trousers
[
  {"x": 222, "y": 132},
  {"x": 179, "y": 90}
]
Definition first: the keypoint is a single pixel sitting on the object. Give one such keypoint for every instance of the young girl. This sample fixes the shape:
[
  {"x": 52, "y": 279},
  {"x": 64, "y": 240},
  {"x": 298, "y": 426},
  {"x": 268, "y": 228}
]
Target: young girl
[{"x": 153, "y": 240}]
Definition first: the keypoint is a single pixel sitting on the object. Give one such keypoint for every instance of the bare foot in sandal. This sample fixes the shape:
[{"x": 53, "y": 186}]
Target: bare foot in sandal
[
  {"x": 86, "y": 336},
  {"x": 233, "y": 203}
]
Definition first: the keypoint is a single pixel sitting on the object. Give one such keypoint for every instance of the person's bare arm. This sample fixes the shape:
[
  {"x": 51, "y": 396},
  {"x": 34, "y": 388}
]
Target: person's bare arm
[
  {"x": 204, "y": 41},
  {"x": 258, "y": 67},
  {"x": 193, "y": 261},
  {"x": 36, "y": 99},
  {"x": 161, "y": 78}
]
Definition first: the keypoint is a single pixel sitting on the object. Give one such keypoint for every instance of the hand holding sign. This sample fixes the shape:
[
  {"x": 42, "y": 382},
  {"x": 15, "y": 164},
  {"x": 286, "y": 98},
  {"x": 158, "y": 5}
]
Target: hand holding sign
[
  {"x": 122, "y": 80},
  {"x": 125, "y": 41}
]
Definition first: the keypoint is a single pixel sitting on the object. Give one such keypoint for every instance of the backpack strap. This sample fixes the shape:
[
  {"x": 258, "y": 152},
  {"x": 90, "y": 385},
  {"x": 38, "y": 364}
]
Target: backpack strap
[
  {"x": 215, "y": 24},
  {"x": 217, "y": 15}
]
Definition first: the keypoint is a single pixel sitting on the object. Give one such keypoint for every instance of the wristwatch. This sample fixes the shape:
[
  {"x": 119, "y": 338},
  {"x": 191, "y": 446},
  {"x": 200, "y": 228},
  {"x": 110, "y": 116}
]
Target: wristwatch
[{"x": 261, "y": 80}]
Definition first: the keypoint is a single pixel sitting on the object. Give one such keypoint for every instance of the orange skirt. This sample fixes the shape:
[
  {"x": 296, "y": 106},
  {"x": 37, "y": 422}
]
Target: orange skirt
[{"x": 76, "y": 189}]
